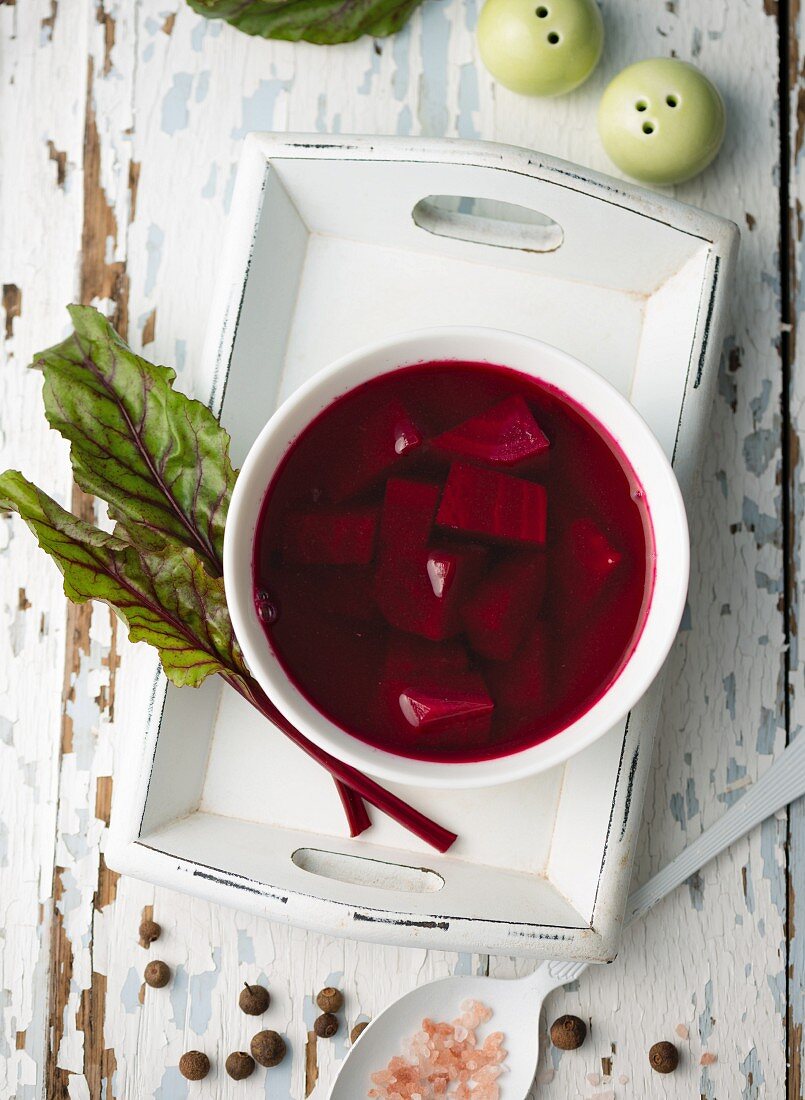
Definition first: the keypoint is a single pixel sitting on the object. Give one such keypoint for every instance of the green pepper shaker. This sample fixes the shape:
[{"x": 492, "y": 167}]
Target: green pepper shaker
[
  {"x": 661, "y": 120},
  {"x": 540, "y": 47}
]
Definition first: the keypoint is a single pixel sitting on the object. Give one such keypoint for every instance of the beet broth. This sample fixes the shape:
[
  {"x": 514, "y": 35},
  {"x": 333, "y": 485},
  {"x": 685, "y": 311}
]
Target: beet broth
[{"x": 453, "y": 561}]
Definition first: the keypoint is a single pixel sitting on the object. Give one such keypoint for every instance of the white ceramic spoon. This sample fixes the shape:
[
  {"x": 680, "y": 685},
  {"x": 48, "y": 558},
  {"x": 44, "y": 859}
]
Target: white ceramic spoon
[{"x": 516, "y": 1003}]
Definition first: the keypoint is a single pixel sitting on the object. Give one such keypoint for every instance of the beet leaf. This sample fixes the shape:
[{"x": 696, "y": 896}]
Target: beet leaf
[
  {"x": 160, "y": 461},
  {"x": 324, "y": 22}
]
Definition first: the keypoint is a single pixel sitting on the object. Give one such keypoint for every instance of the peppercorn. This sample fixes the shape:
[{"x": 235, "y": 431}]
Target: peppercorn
[
  {"x": 149, "y": 931},
  {"x": 663, "y": 1057},
  {"x": 254, "y": 999},
  {"x": 330, "y": 999},
  {"x": 239, "y": 1065},
  {"x": 326, "y": 1025},
  {"x": 194, "y": 1065},
  {"x": 268, "y": 1048},
  {"x": 568, "y": 1032},
  {"x": 358, "y": 1030},
  {"x": 157, "y": 974}
]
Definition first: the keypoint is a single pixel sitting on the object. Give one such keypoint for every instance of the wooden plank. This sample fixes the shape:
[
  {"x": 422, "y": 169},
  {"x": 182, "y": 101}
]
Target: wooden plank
[
  {"x": 793, "y": 197},
  {"x": 82, "y": 884},
  {"x": 40, "y": 229}
]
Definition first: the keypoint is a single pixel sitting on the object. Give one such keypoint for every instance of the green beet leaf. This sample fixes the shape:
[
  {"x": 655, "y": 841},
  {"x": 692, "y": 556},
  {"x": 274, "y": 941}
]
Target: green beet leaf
[
  {"x": 159, "y": 459},
  {"x": 325, "y": 22},
  {"x": 167, "y": 599}
]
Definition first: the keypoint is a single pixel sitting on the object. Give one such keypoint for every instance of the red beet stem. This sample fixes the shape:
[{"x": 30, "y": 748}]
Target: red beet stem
[
  {"x": 388, "y": 803},
  {"x": 354, "y": 807}
]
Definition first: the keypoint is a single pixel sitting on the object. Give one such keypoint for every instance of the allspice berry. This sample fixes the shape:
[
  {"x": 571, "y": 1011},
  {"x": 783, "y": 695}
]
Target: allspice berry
[
  {"x": 157, "y": 974},
  {"x": 664, "y": 1057},
  {"x": 330, "y": 999},
  {"x": 254, "y": 999},
  {"x": 358, "y": 1030},
  {"x": 194, "y": 1065},
  {"x": 149, "y": 931},
  {"x": 568, "y": 1032},
  {"x": 239, "y": 1065},
  {"x": 268, "y": 1048},
  {"x": 326, "y": 1025}
]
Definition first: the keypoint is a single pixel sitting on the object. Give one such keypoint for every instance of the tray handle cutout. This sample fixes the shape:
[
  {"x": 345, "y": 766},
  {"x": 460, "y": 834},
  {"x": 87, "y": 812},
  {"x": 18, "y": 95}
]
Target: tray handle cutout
[
  {"x": 363, "y": 871},
  {"x": 488, "y": 222}
]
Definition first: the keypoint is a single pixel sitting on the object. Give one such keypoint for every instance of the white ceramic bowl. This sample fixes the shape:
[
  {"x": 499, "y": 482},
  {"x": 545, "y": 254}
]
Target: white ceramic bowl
[{"x": 593, "y": 393}]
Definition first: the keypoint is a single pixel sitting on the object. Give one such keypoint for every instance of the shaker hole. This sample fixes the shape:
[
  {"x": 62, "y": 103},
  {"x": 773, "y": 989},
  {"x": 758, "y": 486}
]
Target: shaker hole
[
  {"x": 641, "y": 105},
  {"x": 648, "y": 128},
  {"x": 542, "y": 12},
  {"x": 553, "y": 38},
  {"x": 671, "y": 100}
]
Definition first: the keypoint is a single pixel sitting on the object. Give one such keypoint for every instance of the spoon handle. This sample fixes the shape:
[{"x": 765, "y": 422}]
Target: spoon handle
[
  {"x": 548, "y": 976},
  {"x": 783, "y": 782}
]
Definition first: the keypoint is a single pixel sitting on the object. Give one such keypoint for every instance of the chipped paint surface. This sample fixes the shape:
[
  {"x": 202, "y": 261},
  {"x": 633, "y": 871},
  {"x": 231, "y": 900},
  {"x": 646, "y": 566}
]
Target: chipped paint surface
[{"x": 140, "y": 112}]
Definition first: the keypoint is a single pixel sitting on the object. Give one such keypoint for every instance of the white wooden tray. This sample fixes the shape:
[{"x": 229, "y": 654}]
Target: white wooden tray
[{"x": 335, "y": 242}]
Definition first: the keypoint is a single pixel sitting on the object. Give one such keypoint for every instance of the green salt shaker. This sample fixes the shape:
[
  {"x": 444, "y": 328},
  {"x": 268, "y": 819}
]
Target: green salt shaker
[
  {"x": 540, "y": 47},
  {"x": 661, "y": 121}
]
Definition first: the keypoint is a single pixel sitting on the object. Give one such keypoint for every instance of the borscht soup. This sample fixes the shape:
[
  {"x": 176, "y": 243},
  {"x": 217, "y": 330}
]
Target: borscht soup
[{"x": 453, "y": 561}]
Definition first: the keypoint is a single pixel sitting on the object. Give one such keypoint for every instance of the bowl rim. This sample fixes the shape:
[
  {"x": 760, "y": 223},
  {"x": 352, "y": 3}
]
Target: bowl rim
[{"x": 595, "y": 394}]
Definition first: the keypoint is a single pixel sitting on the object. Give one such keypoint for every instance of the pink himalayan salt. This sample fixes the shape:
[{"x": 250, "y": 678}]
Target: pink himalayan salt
[{"x": 445, "y": 1060}]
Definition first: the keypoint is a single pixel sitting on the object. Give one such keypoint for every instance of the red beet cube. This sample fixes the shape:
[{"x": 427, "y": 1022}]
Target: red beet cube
[
  {"x": 585, "y": 564},
  {"x": 379, "y": 441},
  {"x": 499, "y": 612},
  {"x": 591, "y": 548},
  {"x": 460, "y": 705},
  {"x": 420, "y": 590},
  {"x": 344, "y": 537},
  {"x": 409, "y": 508},
  {"x": 493, "y": 505},
  {"x": 521, "y": 687},
  {"x": 428, "y": 689},
  {"x": 423, "y": 593},
  {"x": 505, "y": 434}
]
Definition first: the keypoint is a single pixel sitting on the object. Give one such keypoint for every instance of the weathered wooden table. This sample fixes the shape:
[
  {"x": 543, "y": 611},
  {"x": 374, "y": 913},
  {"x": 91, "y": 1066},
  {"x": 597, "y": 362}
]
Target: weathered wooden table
[{"x": 121, "y": 124}]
